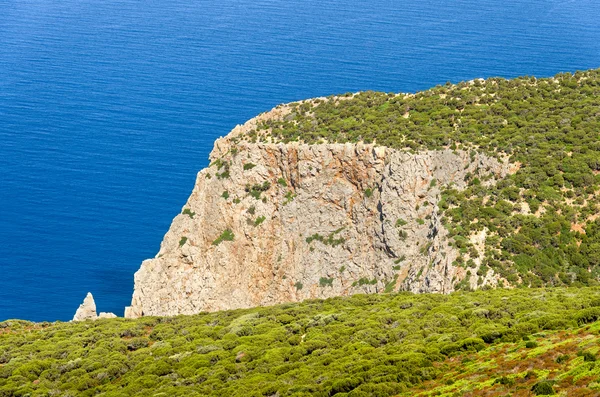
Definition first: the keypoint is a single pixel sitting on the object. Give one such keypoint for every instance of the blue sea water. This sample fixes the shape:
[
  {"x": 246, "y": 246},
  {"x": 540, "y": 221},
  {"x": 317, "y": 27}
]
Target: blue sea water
[{"x": 109, "y": 108}]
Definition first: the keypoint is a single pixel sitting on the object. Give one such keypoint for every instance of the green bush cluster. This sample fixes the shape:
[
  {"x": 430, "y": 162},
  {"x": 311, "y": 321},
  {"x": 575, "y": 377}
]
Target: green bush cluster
[
  {"x": 329, "y": 240},
  {"x": 225, "y": 166},
  {"x": 257, "y": 221},
  {"x": 256, "y": 189},
  {"x": 324, "y": 281},
  {"x": 363, "y": 345},
  {"x": 187, "y": 211}
]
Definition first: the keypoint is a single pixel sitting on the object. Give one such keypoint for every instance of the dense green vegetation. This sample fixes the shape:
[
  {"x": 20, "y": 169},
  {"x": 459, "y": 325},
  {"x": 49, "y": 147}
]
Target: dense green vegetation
[
  {"x": 542, "y": 220},
  {"x": 364, "y": 345}
]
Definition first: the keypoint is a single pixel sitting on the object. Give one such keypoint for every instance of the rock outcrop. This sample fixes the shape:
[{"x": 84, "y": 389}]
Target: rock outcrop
[
  {"x": 87, "y": 310},
  {"x": 270, "y": 222}
]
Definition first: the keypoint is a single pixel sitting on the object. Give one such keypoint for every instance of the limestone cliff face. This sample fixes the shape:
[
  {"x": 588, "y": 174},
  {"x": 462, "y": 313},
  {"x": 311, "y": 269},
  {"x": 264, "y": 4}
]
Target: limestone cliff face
[{"x": 269, "y": 222}]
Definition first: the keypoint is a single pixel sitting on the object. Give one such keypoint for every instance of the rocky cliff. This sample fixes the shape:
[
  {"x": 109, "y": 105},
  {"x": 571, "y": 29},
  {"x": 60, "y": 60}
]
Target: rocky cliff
[{"x": 279, "y": 222}]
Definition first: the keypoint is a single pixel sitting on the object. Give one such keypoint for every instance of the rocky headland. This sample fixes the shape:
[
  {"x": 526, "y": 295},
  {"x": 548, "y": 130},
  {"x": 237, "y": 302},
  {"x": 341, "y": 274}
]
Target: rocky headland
[{"x": 273, "y": 222}]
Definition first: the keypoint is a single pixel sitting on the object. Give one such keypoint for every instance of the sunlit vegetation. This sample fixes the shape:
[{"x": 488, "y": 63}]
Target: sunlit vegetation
[
  {"x": 227, "y": 235},
  {"x": 541, "y": 222},
  {"x": 364, "y": 345},
  {"x": 189, "y": 212},
  {"x": 223, "y": 167},
  {"x": 329, "y": 240}
]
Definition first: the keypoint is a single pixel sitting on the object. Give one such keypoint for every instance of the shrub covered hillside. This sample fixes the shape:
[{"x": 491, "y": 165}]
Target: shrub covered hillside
[
  {"x": 542, "y": 224},
  {"x": 516, "y": 342}
]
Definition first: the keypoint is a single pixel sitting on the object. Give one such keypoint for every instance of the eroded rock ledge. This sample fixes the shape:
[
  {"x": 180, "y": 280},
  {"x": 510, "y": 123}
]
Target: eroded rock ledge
[{"x": 270, "y": 222}]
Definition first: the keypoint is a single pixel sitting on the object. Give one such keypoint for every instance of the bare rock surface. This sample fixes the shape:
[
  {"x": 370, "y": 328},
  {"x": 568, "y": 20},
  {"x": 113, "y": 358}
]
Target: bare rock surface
[
  {"x": 87, "y": 310},
  {"x": 270, "y": 222}
]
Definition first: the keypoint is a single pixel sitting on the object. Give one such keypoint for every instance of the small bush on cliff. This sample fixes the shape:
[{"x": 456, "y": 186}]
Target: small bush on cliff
[
  {"x": 289, "y": 196},
  {"x": 323, "y": 282},
  {"x": 183, "y": 241},
  {"x": 257, "y": 221},
  {"x": 256, "y": 189},
  {"x": 188, "y": 212},
  {"x": 227, "y": 235}
]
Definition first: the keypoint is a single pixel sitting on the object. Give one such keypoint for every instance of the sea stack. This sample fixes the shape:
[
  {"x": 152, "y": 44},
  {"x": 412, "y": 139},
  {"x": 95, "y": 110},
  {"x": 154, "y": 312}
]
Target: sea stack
[{"x": 87, "y": 310}]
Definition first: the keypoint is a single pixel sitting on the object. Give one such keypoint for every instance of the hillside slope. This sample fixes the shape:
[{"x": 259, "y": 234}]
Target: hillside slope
[{"x": 495, "y": 343}]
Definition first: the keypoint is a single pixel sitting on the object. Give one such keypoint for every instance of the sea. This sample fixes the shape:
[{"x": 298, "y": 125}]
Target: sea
[{"x": 108, "y": 109}]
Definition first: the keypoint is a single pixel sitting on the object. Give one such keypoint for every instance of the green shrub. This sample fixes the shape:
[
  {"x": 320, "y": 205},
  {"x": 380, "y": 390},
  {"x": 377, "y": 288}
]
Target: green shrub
[
  {"x": 189, "y": 212},
  {"x": 227, "y": 235},
  {"x": 329, "y": 240},
  {"x": 400, "y": 222},
  {"x": 344, "y": 385},
  {"x": 249, "y": 166},
  {"x": 503, "y": 380},
  {"x": 258, "y": 188},
  {"x": 289, "y": 196},
  {"x": 472, "y": 344},
  {"x": 183, "y": 241},
  {"x": 562, "y": 358},
  {"x": 137, "y": 343},
  {"x": 543, "y": 388},
  {"x": 323, "y": 282},
  {"x": 589, "y": 357},
  {"x": 587, "y": 316}
]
